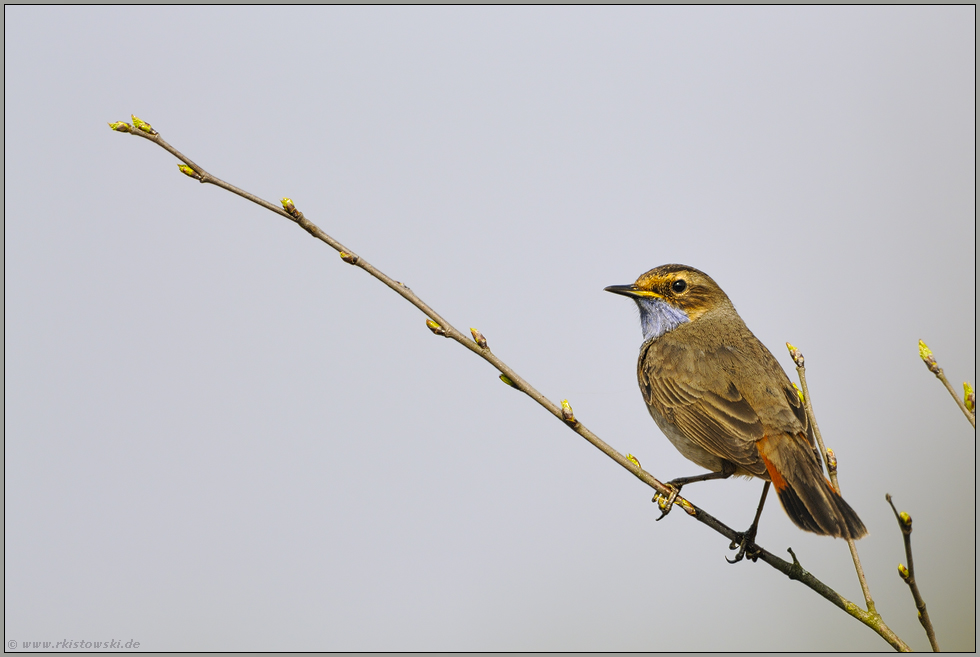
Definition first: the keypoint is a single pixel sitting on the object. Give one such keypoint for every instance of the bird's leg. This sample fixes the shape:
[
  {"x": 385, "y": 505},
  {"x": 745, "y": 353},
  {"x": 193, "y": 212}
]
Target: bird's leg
[
  {"x": 666, "y": 503},
  {"x": 746, "y": 543}
]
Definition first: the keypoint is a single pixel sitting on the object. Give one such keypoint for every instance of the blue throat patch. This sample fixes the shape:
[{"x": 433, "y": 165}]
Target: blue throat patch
[{"x": 657, "y": 317}]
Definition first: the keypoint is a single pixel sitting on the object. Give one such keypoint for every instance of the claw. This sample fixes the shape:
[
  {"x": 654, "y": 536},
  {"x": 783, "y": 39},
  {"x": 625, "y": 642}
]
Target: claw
[
  {"x": 741, "y": 544},
  {"x": 746, "y": 548},
  {"x": 666, "y": 504}
]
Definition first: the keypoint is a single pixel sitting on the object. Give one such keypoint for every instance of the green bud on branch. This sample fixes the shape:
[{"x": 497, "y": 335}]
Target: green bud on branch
[
  {"x": 478, "y": 338},
  {"x": 435, "y": 328},
  {"x": 140, "y": 124}
]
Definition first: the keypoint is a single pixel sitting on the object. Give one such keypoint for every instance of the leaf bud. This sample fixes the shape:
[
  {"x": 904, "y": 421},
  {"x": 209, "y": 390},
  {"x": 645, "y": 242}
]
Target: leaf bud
[
  {"x": 478, "y": 338},
  {"x": 140, "y": 124},
  {"x": 796, "y": 354},
  {"x": 435, "y": 328},
  {"x": 925, "y": 353},
  {"x": 566, "y": 412}
]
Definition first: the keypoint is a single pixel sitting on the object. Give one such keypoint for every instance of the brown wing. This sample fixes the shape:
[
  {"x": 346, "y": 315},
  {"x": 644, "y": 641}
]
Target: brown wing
[{"x": 708, "y": 406}]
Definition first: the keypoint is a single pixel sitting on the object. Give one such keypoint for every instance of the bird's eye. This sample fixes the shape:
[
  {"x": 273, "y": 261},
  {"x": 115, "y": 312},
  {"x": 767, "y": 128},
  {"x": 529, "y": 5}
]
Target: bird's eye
[{"x": 679, "y": 285}]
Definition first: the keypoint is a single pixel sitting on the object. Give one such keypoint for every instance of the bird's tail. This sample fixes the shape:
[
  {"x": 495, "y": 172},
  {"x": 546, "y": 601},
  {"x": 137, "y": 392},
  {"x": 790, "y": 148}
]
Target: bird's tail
[{"x": 806, "y": 495}]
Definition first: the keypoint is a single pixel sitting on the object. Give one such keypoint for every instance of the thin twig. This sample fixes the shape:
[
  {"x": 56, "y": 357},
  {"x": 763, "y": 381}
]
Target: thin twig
[
  {"x": 477, "y": 344},
  {"x": 831, "y": 469},
  {"x": 796, "y": 572},
  {"x": 908, "y": 574},
  {"x": 925, "y": 353}
]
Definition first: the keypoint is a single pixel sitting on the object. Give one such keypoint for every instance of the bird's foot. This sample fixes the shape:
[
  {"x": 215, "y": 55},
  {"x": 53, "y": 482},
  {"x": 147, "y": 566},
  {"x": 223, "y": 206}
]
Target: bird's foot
[
  {"x": 745, "y": 544},
  {"x": 666, "y": 502}
]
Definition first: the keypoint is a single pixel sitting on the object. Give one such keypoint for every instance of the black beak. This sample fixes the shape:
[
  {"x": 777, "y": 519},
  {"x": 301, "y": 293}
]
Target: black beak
[{"x": 625, "y": 290}]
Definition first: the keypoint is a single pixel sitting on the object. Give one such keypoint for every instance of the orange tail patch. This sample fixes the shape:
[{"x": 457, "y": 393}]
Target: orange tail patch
[{"x": 804, "y": 492}]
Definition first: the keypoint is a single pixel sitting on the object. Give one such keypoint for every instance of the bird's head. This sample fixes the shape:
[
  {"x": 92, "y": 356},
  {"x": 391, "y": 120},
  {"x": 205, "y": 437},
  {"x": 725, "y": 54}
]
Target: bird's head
[{"x": 671, "y": 295}]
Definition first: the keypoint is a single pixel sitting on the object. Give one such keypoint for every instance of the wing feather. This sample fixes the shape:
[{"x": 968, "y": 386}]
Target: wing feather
[{"x": 710, "y": 410}]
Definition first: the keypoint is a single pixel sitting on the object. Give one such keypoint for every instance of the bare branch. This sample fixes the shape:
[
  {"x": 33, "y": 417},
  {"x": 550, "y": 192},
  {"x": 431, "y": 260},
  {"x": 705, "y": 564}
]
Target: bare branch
[
  {"x": 967, "y": 403},
  {"x": 908, "y": 574},
  {"x": 477, "y": 343},
  {"x": 830, "y": 460}
]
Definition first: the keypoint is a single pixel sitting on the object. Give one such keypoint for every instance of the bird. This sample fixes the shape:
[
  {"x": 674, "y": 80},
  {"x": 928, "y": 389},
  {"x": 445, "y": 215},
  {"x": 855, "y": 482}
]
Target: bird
[{"x": 725, "y": 403}]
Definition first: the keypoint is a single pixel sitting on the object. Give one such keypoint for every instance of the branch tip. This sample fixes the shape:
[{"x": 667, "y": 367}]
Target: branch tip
[
  {"x": 908, "y": 574},
  {"x": 140, "y": 124},
  {"x": 925, "y": 353},
  {"x": 967, "y": 403},
  {"x": 796, "y": 355},
  {"x": 478, "y": 338}
]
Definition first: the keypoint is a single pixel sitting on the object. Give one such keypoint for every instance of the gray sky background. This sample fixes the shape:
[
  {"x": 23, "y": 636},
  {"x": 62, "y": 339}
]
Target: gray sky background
[{"x": 218, "y": 436}]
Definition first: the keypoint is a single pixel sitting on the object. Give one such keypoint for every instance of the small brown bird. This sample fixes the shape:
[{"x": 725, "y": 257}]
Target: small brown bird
[{"x": 725, "y": 403}]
